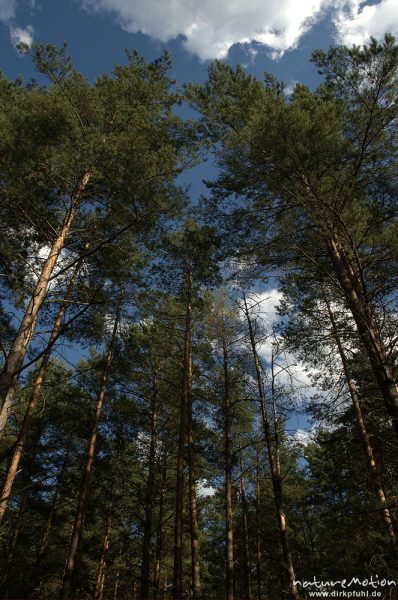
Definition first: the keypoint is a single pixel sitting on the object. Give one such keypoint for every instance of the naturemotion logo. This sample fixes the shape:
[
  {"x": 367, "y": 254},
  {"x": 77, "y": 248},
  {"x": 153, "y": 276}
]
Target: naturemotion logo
[{"x": 355, "y": 587}]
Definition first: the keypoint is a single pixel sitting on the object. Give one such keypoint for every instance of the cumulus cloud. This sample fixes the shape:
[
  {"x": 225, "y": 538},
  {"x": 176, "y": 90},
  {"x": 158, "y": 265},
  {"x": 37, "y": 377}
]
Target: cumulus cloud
[
  {"x": 356, "y": 21},
  {"x": 8, "y": 9},
  {"x": 20, "y": 35},
  {"x": 210, "y": 28}
]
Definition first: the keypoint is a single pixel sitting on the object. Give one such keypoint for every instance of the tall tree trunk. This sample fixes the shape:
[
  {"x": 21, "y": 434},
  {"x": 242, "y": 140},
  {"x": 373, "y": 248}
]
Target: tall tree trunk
[
  {"x": 258, "y": 530},
  {"x": 229, "y": 530},
  {"x": 245, "y": 532},
  {"x": 351, "y": 282},
  {"x": 159, "y": 552},
  {"x": 273, "y": 463},
  {"x": 178, "y": 524},
  {"x": 117, "y": 576},
  {"x": 149, "y": 498},
  {"x": 100, "y": 581},
  {"x": 194, "y": 521},
  {"x": 370, "y": 456},
  {"x": 9, "y": 376},
  {"x": 77, "y": 528},
  {"x": 34, "y": 397}
]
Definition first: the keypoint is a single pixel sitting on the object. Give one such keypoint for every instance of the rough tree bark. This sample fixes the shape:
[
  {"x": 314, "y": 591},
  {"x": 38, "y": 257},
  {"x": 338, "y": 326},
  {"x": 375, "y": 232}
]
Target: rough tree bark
[
  {"x": 370, "y": 456},
  {"x": 352, "y": 283},
  {"x": 34, "y": 397},
  {"x": 16, "y": 355}
]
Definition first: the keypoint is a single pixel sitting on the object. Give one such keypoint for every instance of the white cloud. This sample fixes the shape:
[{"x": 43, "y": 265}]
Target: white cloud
[
  {"x": 211, "y": 27},
  {"x": 204, "y": 489},
  {"x": 7, "y": 10},
  {"x": 356, "y": 22},
  {"x": 20, "y": 35}
]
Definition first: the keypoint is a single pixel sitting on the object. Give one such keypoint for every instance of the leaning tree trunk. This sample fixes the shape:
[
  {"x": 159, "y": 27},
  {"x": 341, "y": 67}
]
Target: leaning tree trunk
[
  {"x": 229, "y": 530},
  {"x": 16, "y": 355},
  {"x": 370, "y": 456},
  {"x": 353, "y": 287},
  {"x": 274, "y": 467},
  {"x": 34, "y": 397},
  {"x": 78, "y": 524}
]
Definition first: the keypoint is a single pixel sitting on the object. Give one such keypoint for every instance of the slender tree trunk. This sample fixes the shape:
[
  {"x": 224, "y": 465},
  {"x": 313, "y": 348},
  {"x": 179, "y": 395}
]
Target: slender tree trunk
[
  {"x": 159, "y": 552},
  {"x": 100, "y": 581},
  {"x": 229, "y": 530},
  {"x": 23, "y": 506},
  {"x": 353, "y": 287},
  {"x": 34, "y": 397},
  {"x": 178, "y": 525},
  {"x": 9, "y": 376},
  {"x": 149, "y": 497},
  {"x": 370, "y": 456},
  {"x": 245, "y": 532},
  {"x": 275, "y": 471},
  {"x": 195, "y": 542},
  {"x": 77, "y": 528},
  {"x": 258, "y": 530}
]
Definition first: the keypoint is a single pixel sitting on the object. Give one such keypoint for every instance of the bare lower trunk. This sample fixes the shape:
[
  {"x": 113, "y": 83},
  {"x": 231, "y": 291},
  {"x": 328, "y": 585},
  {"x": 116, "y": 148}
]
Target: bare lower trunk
[
  {"x": 34, "y": 397},
  {"x": 9, "y": 376},
  {"x": 229, "y": 531},
  {"x": 159, "y": 552},
  {"x": 258, "y": 530},
  {"x": 370, "y": 456},
  {"x": 194, "y": 523},
  {"x": 77, "y": 528},
  {"x": 146, "y": 544},
  {"x": 100, "y": 581},
  {"x": 117, "y": 576},
  {"x": 274, "y": 467},
  {"x": 361, "y": 310},
  {"x": 245, "y": 532}
]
